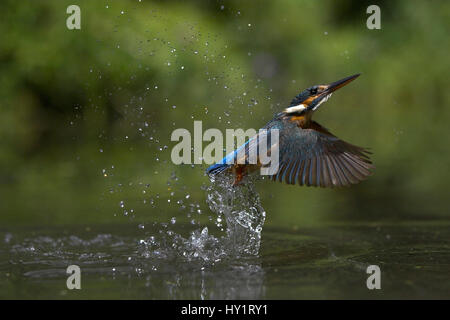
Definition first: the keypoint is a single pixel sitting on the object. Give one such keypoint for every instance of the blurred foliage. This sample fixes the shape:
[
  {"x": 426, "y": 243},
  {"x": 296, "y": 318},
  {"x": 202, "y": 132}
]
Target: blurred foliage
[{"x": 86, "y": 115}]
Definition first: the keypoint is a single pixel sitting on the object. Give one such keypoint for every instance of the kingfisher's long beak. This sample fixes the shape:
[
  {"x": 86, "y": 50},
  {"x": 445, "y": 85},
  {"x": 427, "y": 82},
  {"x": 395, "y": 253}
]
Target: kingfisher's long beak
[
  {"x": 327, "y": 90},
  {"x": 339, "y": 84}
]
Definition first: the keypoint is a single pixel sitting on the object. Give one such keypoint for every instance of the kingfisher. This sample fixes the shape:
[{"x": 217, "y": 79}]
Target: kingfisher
[{"x": 309, "y": 154}]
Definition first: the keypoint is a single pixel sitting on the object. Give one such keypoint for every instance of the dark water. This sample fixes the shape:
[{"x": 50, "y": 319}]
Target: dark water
[{"x": 310, "y": 263}]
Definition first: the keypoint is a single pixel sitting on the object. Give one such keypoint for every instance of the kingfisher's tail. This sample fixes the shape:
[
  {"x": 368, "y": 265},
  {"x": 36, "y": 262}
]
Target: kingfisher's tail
[{"x": 216, "y": 169}]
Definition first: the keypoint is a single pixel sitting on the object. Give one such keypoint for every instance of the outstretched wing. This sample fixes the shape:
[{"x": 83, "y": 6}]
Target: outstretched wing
[{"x": 315, "y": 157}]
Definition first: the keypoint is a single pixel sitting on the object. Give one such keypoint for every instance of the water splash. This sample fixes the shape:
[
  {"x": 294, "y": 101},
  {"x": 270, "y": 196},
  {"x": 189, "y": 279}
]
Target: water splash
[
  {"x": 201, "y": 265},
  {"x": 244, "y": 214},
  {"x": 239, "y": 206}
]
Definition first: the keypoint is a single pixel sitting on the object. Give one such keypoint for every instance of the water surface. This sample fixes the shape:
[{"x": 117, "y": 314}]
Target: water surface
[{"x": 307, "y": 263}]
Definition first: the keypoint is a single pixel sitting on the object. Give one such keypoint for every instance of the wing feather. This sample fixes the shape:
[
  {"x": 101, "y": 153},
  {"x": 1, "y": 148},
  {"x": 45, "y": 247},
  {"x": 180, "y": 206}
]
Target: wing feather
[
  {"x": 315, "y": 157},
  {"x": 339, "y": 175},
  {"x": 300, "y": 172},
  {"x": 293, "y": 176},
  {"x": 325, "y": 173},
  {"x": 306, "y": 172},
  {"x": 348, "y": 175}
]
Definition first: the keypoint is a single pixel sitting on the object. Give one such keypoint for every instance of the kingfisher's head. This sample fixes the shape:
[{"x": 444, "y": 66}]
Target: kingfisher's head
[{"x": 309, "y": 100}]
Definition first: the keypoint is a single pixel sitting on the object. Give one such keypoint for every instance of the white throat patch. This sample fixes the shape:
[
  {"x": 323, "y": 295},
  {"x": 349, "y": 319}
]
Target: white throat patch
[
  {"x": 297, "y": 108},
  {"x": 322, "y": 101}
]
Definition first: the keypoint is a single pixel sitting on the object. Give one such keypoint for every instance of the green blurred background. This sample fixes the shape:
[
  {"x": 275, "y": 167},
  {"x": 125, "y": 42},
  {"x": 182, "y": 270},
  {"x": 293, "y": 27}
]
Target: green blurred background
[{"x": 86, "y": 115}]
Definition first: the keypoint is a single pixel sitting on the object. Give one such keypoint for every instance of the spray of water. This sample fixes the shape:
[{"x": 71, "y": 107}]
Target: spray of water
[
  {"x": 244, "y": 215},
  {"x": 238, "y": 206},
  {"x": 200, "y": 265}
]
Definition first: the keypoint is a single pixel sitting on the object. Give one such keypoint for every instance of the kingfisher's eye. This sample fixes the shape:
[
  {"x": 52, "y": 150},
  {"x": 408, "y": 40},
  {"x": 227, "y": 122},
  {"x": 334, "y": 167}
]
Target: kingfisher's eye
[{"x": 313, "y": 90}]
